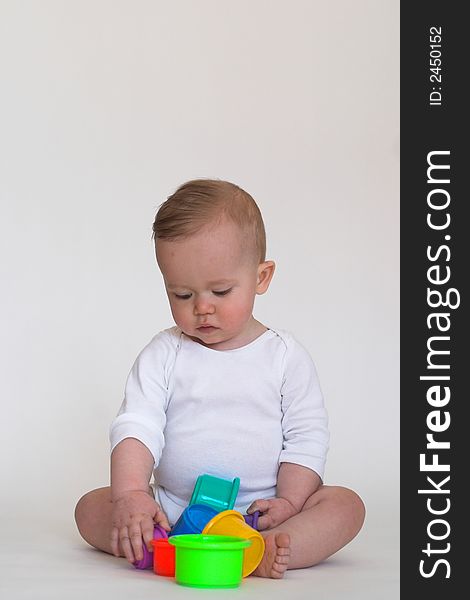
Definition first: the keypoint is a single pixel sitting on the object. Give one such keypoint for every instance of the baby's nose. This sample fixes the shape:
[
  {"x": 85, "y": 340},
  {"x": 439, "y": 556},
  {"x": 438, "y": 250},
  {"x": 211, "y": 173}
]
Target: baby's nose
[{"x": 203, "y": 307}]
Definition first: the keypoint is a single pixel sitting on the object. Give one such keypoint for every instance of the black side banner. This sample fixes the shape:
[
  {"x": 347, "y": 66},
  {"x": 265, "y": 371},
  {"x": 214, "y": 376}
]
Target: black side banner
[{"x": 435, "y": 256}]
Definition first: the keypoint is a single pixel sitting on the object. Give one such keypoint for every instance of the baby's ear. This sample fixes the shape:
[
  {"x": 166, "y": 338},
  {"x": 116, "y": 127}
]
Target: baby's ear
[{"x": 265, "y": 274}]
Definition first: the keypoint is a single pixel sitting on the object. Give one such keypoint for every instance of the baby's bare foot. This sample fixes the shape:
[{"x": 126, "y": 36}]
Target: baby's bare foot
[{"x": 276, "y": 556}]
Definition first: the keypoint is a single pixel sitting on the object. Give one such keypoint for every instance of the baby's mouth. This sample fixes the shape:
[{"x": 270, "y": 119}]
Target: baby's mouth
[{"x": 206, "y": 328}]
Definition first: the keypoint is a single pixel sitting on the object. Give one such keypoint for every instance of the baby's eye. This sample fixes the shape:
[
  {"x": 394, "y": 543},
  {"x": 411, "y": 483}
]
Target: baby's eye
[
  {"x": 223, "y": 292},
  {"x": 183, "y": 296}
]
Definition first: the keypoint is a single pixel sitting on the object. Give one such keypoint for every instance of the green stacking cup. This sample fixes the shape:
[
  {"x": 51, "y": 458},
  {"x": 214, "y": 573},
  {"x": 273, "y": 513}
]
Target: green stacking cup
[{"x": 209, "y": 561}]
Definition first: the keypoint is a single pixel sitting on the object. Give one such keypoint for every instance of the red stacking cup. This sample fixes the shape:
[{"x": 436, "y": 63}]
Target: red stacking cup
[{"x": 163, "y": 558}]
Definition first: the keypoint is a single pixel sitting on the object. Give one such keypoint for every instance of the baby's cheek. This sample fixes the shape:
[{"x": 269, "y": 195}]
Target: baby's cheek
[
  {"x": 239, "y": 313},
  {"x": 181, "y": 318}
]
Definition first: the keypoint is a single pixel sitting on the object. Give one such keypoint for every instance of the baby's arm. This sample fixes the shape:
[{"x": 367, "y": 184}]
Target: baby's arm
[
  {"x": 134, "y": 510},
  {"x": 305, "y": 439},
  {"x": 295, "y": 484}
]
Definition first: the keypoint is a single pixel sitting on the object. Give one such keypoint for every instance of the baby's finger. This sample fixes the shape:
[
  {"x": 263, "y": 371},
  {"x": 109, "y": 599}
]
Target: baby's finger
[
  {"x": 265, "y": 522},
  {"x": 261, "y": 505},
  {"x": 135, "y": 533},
  {"x": 147, "y": 533},
  {"x": 252, "y": 508},
  {"x": 161, "y": 519},
  {"x": 125, "y": 542},
  {"x": 114, "y": 539}
]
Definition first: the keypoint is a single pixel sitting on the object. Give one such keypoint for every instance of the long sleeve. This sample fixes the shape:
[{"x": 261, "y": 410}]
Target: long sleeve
[
  {"x": 304, "y": 417},
  {"x": 143, "y": 411}
]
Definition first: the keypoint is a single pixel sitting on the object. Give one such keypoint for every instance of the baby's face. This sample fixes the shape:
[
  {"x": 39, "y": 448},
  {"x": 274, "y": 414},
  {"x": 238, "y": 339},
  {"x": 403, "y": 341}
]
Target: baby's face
[{"x": 211, "y": 280}]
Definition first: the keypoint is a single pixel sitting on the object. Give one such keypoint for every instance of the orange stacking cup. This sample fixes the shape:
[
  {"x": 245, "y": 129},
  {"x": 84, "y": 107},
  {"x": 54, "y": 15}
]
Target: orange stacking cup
[{"x": 232, "y": 523}]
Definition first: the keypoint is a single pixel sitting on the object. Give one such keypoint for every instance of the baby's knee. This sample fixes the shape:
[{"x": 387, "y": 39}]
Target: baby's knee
[
  {"x": 353, "y": 505},
  {"x": 87, "y": 507},
  {"x": 82, "y": 510},
  {"x": 342, "y": 502}
]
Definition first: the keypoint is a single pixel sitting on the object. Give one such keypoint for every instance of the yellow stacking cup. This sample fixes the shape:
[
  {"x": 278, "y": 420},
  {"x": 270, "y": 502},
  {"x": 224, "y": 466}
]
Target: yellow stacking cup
[{"x": 232, "y": 523}]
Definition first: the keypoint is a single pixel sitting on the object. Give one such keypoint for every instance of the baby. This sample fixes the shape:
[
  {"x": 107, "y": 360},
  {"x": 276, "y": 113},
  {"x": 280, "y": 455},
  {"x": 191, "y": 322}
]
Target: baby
[{"x": 220, "y": 393}]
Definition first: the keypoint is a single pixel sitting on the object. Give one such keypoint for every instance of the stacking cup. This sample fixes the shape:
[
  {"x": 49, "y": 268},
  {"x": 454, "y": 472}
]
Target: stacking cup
[
  {"x": 163, "y": 558},
  {"x": 193, "y": 519},
  {"x": 211, "y": 561},
  {"x": 232, "y": 523},
  {"x": 216, "y": 492},
  {"x": 147, "y": 560},
  {"x": 252, "y": 519}
]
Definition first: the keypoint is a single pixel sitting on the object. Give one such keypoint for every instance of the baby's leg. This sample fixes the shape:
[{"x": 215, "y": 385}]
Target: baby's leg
[
  {"x": 93, "y": 515},
  {"x": 329, "y": 519}
]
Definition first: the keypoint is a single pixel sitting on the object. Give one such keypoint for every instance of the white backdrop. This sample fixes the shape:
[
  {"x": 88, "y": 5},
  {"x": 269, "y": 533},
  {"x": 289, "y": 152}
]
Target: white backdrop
[{"x": 106, "y": 107}]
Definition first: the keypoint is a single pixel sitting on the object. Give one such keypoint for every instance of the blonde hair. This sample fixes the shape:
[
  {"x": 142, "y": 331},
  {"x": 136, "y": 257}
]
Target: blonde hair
[{"x": 200, "y": 202}]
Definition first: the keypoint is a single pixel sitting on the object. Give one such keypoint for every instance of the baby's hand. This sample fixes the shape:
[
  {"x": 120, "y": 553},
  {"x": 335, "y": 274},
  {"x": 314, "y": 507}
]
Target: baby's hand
[
  {"x": 274, "y": 512},
  {"x": 133, "y": 518}
]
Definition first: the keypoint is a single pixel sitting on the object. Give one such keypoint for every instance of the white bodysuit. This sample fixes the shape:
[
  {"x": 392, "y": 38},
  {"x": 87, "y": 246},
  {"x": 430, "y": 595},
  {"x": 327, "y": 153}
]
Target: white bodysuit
[{"x": 227, "y": 413}]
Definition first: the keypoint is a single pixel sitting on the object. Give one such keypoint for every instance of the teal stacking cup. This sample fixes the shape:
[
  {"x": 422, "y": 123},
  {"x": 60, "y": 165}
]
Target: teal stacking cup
[
  {"x": 216, "y": 492},
  {"x": 193, "y": 519}
]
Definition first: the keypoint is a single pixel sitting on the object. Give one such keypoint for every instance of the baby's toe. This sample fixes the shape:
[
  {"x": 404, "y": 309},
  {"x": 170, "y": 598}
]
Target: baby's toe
[
  {"x": 277, "y": 571},
  {"x": 282, "y": 540}
]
